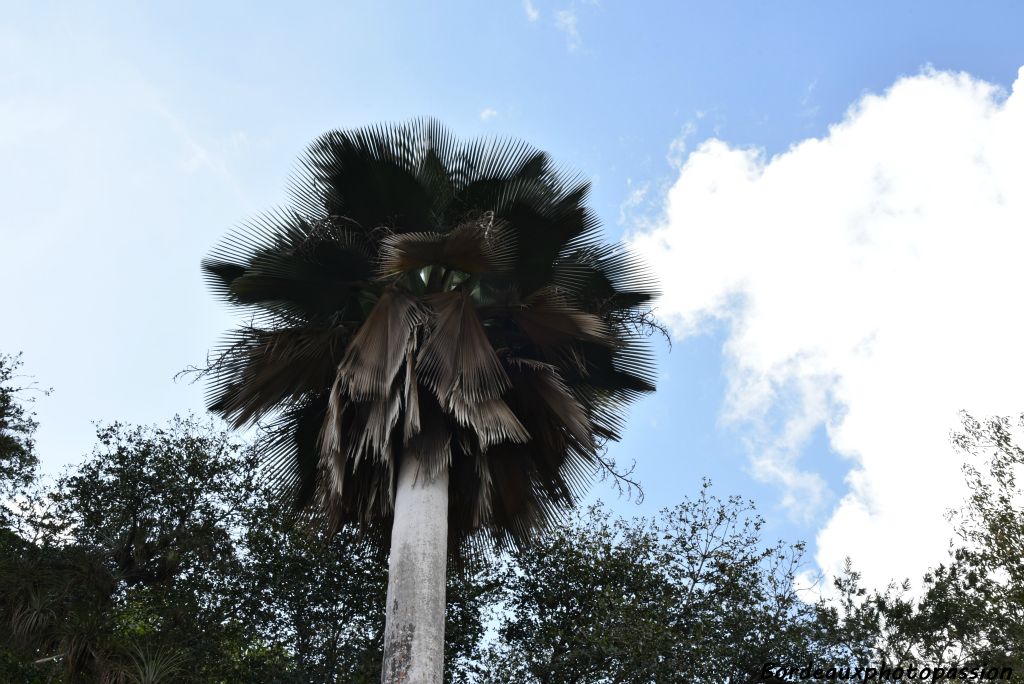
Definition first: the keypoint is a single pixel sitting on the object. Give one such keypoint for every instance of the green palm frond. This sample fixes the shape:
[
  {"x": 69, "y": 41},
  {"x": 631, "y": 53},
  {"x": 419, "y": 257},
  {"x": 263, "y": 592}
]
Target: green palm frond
[
  {"x": 154, "y": 665},
  {"x": 430, "y": 299}
]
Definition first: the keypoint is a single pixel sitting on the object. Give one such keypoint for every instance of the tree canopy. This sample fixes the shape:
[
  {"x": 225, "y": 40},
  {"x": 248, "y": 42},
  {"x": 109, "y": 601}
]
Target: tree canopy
[
  {"x": 162, "y": 553},
  {"x": 162, "y": 557}
]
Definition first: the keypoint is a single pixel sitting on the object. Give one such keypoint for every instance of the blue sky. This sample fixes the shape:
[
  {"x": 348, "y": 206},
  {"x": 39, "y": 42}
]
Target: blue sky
[{"x": 134, "y": 135}]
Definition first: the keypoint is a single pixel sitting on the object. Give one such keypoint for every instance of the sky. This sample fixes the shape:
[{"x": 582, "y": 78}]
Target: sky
[{"x": 830, "y": 195}]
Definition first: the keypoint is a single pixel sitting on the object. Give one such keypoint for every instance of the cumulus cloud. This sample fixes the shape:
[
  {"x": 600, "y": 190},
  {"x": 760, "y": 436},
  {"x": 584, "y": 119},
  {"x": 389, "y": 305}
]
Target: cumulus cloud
[
  {"x": 869, "y": 282},
  {"x": 488, "y": 113}
]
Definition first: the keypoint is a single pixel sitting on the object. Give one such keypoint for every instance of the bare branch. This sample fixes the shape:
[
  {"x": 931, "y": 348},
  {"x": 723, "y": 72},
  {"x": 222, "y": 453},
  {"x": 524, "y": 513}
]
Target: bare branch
[
  {"x": 215, "y": 363},
  {"x": 644, "y": 322},
  {"x": 622, "y": 480}
]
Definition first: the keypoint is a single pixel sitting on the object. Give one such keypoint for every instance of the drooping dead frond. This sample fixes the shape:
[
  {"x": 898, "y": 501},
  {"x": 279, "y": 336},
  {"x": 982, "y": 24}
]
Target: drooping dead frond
[
  {"x": 380, "y": 347},
  {"x": 370, "y": 387},
  {"x": 258, "y": 370},
  {"x": 457, "y": 360}
]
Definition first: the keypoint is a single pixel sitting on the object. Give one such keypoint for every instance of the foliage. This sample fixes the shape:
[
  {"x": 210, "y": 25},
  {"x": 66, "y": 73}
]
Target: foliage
[
  {"x": 970, "y": 610},
  {"x": 444, "y": 302},
  {"x": 124, "y": 576},
  {"x": 18, "y": 460},
  {"x": 689, "y": 596},
  {"x": 321, "y": 597},
  {"x": 163, "y": 558},
  {"x": 991, "y": 568}
]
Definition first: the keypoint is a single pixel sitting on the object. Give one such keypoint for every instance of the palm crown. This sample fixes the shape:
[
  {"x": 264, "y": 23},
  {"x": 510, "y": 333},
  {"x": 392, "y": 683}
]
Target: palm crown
[{"x": 428, "y": 299}]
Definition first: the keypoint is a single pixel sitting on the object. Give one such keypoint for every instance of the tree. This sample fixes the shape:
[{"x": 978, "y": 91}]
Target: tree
[
  {"x": 969, "y": 612},
  {"x": 18, "y": 460},
  {"x": 440, "y": 344},
  {"x": 691, "y": 595},
  {"x": 124, "y": 569},
  {"x": 587, "y": 602},
  {"x": 991, "y": 560},
  {"x": 320, "y": 598},
  {"x": 163, "y": 549}
]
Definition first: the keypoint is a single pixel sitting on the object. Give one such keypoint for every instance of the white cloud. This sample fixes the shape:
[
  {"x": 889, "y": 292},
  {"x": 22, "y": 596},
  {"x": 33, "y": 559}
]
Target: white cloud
[
  {"x": 637, "y": 197},
  {"x": 531, "y": 10},
  {"x": 487, "y": 114},
  {"x": 567, "y": 22},
  {"x": 870, "y": 282},
  {"x": 677, "y": 149}
]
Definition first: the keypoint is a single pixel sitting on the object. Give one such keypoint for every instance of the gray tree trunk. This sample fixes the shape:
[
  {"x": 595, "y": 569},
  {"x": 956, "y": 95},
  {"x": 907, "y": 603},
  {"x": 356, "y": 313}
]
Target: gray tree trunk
[{"x": 414, "y": 617}]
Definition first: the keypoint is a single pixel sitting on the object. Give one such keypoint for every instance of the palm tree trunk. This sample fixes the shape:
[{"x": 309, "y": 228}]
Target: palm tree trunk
[{"x": 414, "y": 616}]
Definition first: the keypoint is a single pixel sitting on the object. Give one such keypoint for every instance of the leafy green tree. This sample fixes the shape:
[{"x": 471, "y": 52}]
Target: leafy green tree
[
  {"x": 18, "y": 460},
  {"x": 970, "y": 611},
  {"x": 124, "y": 574},
  {"x": 440, "y": 343},
  {"x": 991, "y": 562},
  {"x": 162, "y": 557},
  {"x": 691, "y": 595},
  {"x": 584, "y": 602},
  {"x": 320, "y": 597}
]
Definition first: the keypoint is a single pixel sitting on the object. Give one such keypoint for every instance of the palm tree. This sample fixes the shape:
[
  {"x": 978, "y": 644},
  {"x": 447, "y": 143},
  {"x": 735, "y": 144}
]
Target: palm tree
[{"x": 439, "y": 346}]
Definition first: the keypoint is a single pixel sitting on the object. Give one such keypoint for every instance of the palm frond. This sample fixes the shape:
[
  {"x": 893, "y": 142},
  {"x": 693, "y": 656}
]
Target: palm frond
[{"x": 430, "y": 299}]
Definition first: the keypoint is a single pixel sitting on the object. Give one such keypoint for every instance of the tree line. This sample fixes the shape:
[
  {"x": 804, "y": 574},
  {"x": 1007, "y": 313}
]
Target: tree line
[{"x": 164, "y": 557}]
